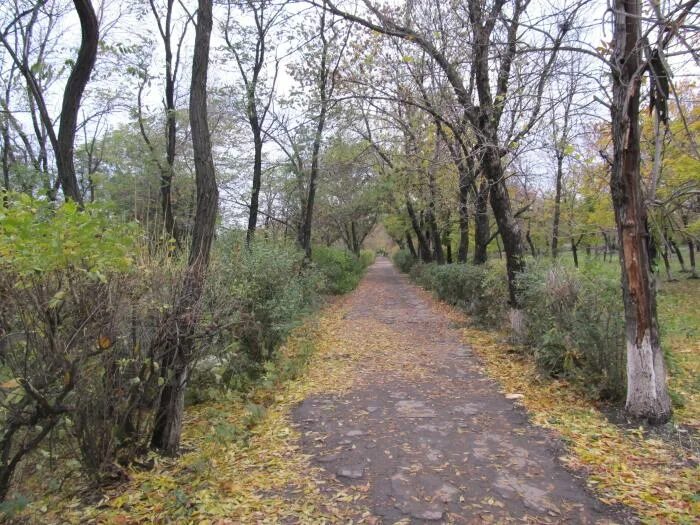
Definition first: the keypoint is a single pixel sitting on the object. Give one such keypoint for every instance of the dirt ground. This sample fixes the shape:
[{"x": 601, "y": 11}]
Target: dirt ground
[{"x": 423, "y": 435}]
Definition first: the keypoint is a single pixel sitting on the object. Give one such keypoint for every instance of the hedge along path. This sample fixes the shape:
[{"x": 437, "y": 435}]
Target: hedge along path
[
  {"x": 414, "y": 429},
  {"x": 241, "y": 460}
]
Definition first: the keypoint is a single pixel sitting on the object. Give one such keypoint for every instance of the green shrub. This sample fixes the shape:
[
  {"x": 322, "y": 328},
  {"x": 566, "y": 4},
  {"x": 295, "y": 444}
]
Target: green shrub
[
  {"x": 341, "y": 268},
  {"x": 367, "y": 258},
  {"x": 273, "y": 287},
  {"x": 574, "y": 319},
  {"x": 404, "y": 260},
  {"x": 37, "y": 238},
  {"x": 460, "y": 285},
  {"x": 493, "y": 305},
  {"x": 575, "y": 324},
  {"x": 254, "y": 296},
  {"x": 480, "y": 290},
  {"x": 80, "y": 307},
  {"x": 423, "y": 274}
]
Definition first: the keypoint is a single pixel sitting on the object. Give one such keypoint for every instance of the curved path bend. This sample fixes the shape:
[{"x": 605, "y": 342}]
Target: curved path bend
[{"x": 423, "y": 435}]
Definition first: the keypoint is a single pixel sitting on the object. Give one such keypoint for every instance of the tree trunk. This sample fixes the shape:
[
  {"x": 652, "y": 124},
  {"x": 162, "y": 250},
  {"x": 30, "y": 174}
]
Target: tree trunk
[
  {"x": 6, "y": 158},
  {"x": 691, "y": 250},
  {"x": 255, "y": 190},
  {"x": 323, "y": 74},
  {"x": 174, "y": 341},
  {"x": 691, "y": 257},
  {"x": 72, "y": 96},
  {"x": 481, "y": 223},
  {"x": 5, "y": 478},
  {"x": 6, "y": 145},
  {"x": 305, "y": 231},
  {"x": 434, "y": 234},
  {"x": 447, "y": 241},
  {"x": 409, "y": 243},
  {"x": 171, "y": 134},
  {"x": 355, "y": 242},
  {"x": 678, "y": 253},
  {"x": 430, "y": 219},
  {"x": 488, "y": 139},
  {"x": 667, "y": 263},
  {"x": 423, "y": 248},
  {"x": 43, "y": 133},
  {"x": 63, "y": 142},
  {"x": 167, "y": 426},
  {"x": 665, "y": 254},
  {"x": 557, "y": 207},
  {"x": 307, "y": 221},
  {"x": 528, "y": 238},
  {"x": 574, "y": 251},
  {"x": 647, "y": 395},
  {"x": 167, "y": 172},
  {"x": 463, "y": 248},
  {"x": 507, "y": 225},
  {"x": 606, "y": 244}
]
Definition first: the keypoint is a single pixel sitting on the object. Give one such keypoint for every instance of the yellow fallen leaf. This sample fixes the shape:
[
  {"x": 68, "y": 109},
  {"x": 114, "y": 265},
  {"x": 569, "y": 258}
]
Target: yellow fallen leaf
[{"x": 9, "y": 385}]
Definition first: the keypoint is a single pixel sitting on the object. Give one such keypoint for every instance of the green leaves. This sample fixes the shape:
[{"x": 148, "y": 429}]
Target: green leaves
[
  {"x": 342, "y": 269},
  {"x": 38, "y": 237},
  {"x": 57, "y": 300},
  {"x": 11, "y": 507}
]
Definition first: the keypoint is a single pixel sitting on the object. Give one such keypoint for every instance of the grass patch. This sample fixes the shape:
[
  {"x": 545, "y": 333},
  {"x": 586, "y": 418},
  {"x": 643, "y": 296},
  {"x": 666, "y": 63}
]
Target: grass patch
[{"x": 679, "y": 317}]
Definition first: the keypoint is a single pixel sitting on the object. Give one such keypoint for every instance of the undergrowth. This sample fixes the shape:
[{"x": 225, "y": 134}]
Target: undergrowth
[
  {"x": 574, "y": 324},
  {"x": 84, "y": 296},
  {"x": 242, "y": 458}
]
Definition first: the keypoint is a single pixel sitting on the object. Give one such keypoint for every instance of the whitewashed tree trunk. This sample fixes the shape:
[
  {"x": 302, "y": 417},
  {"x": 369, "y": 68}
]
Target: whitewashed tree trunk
[{"x": 647, "y": 394}]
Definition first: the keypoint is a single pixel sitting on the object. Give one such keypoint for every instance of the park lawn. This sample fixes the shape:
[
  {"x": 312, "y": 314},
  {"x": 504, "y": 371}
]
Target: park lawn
[{"x": 679, "y": 317}]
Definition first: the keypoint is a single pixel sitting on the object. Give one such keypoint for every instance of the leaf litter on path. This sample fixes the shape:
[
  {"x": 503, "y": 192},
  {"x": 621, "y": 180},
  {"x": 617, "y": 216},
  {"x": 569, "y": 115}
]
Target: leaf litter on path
[{"x": 659, "y": 481}]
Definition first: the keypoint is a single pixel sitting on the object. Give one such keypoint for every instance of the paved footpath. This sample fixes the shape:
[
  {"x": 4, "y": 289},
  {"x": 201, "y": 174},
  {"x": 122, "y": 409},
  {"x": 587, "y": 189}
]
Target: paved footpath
[{"x": 422, "y": 435}]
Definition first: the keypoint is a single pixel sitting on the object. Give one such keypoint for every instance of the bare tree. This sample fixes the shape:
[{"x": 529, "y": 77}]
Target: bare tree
[
  {"x": 8, "y": 159},
  {"x": 647, "y": 394},
  {"x": 174, "y": 343},
  {"x": 166, "y": 28},
  {"x": 325, "y": 79},
  {"x": 63, "y": 140},
  {"x": 250, "y": 53},
  {"x": 561, "y": 135}
]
